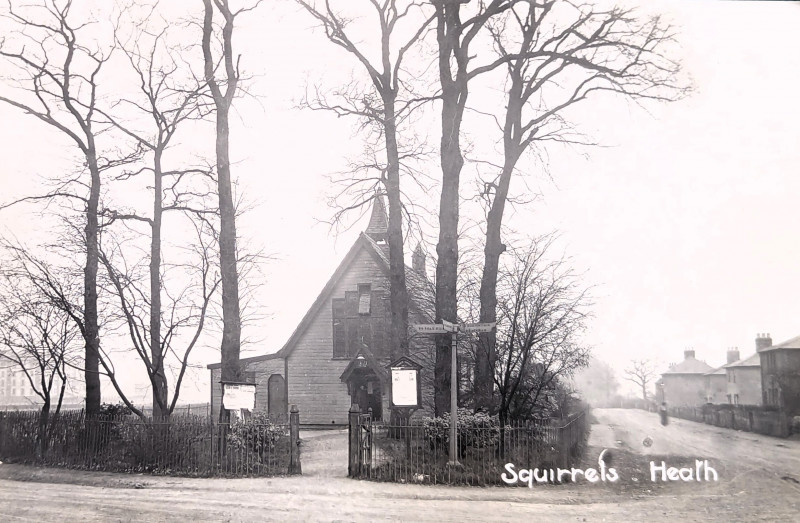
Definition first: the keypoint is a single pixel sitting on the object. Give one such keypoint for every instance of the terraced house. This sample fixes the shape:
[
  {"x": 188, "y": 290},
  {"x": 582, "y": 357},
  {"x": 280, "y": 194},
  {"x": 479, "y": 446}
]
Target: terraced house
[{"x": 780, "y": 375}]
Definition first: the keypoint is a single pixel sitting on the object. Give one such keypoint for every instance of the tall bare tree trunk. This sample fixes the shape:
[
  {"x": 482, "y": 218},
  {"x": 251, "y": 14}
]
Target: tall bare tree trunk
[
  {"x": 160, "y": 405},
  {"x": 398, "y": 293},
  {"x": 454, "y": 93},
  {"x": 486, "y": 351},
  {"x": 232, "y": 329},
  {"x": 91, "y": 323},
  {"x": 231, "y": 318}
]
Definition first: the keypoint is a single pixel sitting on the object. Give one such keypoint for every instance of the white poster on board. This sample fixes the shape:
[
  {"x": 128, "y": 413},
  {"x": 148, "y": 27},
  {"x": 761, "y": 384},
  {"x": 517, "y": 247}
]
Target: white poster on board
[
  {"x": 404, "y": 388},
  {"x": 235, "y": 397}
]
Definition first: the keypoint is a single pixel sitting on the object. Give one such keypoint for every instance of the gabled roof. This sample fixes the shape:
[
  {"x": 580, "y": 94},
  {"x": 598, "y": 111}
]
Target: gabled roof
[
  {"x": 420, "y": 294},
  {"x": 719, "y": 371},
  {"x": 752, "y": 361},
  {"x": 689, "y": 366},
  {"x": 793, "y": 344}
]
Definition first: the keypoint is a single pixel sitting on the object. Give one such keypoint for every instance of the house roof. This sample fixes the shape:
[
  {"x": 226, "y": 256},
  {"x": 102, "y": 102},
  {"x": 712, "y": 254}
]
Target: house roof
[
  {"x": 689, "y": 366},
  {"x": 792, "y": 344},
  {"x": 719, "y": 371},
  {"x": 752, "y": 361},
  {"x": 420, "y": 293},
  {"x": 252, "y": 359}
]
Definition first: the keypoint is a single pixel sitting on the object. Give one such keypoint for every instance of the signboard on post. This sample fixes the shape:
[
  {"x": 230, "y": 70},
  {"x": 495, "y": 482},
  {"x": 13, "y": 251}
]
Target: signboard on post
[
  {"x": 429, "y": 328},
  {"x": 237, "y": 396},
  {"x": 450, "y": 327},
  {"x": 404, "y": 388},
  {"x": 477, "y": 327},
  {"x": 405, "y": 383}
]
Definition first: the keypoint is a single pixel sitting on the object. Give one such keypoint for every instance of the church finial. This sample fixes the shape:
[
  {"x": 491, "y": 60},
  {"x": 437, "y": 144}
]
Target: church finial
[{"x": 378, "y": 227}]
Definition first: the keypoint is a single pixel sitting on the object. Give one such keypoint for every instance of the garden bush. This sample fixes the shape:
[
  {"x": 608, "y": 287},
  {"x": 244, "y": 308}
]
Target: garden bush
[
  {"x": 475, "y": 430},
  {"x": 259, "y": 434}
]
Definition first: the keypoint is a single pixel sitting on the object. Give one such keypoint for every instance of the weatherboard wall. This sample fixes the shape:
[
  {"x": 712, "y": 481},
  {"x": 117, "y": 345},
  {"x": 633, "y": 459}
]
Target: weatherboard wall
[{"x": 314, "y": 375}]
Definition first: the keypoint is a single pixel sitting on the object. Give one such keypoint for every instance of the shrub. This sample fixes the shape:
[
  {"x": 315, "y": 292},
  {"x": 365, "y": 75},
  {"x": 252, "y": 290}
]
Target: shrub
[
  {"x": 475, "y": 430},
  {"x": 259, "y": 434}
]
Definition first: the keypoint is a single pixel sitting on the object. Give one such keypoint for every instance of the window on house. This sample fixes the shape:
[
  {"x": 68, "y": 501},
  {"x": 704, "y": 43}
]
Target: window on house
[
  {"x": 735, "y": 399},
  {"x": 361, "y": 319},
  {"x": 363, "y": 298},
  {"x": 733, "y": 376}
]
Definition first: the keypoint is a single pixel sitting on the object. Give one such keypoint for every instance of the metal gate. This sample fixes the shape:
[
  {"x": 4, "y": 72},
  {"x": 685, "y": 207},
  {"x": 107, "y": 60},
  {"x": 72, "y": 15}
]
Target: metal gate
[{"x": 360, "y": 445}]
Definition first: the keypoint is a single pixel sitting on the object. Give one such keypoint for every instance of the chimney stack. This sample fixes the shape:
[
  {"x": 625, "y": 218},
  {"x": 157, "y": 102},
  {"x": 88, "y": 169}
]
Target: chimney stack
[
  {"x": 688, "y": 354},
  {"x": 733, "y": 355},
  {"x": 763, "y": 340}
]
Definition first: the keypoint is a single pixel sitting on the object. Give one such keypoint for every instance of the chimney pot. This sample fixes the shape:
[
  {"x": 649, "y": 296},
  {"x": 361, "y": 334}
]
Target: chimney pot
[
  {"x": 688, "y": 354},
  {"x": 763, "y": 341}
]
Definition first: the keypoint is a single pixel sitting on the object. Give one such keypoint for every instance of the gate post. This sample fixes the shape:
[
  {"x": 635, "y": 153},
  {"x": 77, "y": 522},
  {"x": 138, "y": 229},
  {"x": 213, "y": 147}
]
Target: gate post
[
  {"x": 294, "y": 441},
  {"x": 353, "y": 468}
]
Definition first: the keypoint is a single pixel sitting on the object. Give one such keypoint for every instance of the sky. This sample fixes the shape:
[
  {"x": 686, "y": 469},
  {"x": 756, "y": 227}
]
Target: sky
[{"x": 683, "y": 221}]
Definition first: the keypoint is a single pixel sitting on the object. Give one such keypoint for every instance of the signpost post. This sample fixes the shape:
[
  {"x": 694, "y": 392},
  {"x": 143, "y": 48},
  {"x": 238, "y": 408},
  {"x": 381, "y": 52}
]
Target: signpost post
[{"x": 453, "y": 328}]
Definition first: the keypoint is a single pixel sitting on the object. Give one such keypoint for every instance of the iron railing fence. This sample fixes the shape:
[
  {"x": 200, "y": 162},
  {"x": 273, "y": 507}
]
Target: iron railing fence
[
  {"x": 417, "y": 453},
  {"x": 183, "y": 445}
]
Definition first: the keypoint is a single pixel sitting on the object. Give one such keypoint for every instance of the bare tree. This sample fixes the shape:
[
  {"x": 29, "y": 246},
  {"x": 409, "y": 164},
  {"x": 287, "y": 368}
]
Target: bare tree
[
  {"x": 597, "y": 383},
  {"x": 37, "y": 335},
  {"x": 223, "y": 92},
  {"x": 57, "y": 84},
  {"x": 642, "y": 373},
  {"x": 381, "y": 107},
  {"x": 169, "y": 96},
  {"x": 183, "y": 315},
  {"x": 558, "y": 55},
  {"x": 542, "y": 312},
  {"x": 456, "y": 30}
]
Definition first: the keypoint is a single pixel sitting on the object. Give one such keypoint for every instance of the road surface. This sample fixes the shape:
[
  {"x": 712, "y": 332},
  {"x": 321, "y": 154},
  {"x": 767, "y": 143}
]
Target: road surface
[
  {"x": 627, "y": 429},
  {"x": 744, "y": 492}
]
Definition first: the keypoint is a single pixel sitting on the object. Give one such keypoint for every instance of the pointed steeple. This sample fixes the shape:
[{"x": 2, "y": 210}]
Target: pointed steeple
[
  {"x": 418, "y": 259},
  {"x": 378, "y": 227}
]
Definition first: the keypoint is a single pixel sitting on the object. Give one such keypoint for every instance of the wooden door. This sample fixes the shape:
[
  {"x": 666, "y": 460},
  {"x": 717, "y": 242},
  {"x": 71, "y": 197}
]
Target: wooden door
[{"x": 276, "y": 390}]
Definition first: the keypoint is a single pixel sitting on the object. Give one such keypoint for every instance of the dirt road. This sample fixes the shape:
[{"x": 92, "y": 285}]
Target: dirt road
[
  {"x": 623, "y": 428},
  {"x": 324, "y": 494}
]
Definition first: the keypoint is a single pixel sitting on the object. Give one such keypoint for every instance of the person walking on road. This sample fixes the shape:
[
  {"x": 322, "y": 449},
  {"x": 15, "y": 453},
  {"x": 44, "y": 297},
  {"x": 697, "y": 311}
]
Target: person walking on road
[{"x": 662, "y": 410}]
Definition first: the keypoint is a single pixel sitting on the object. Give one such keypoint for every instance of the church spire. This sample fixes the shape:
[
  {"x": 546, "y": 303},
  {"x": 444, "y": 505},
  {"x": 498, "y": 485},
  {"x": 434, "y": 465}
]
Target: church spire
[
  {"x": 378, "y": 227},
  {"x": 418, "y": 259}
]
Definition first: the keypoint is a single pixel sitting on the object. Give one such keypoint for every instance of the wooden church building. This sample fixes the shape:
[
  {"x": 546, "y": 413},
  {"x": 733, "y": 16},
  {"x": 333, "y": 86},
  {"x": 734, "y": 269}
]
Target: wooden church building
[{"x": 339, "y": 353}]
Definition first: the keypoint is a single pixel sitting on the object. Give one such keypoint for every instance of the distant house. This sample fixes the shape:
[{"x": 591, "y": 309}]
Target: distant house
[
  {"x": 716, "y": 385},
  {"x": 780, "y": 373},
  {"x": 17, "y": 391},
  {"x": 338, "y": 354},
  {"x": 684, "y": 384},
  {"x": 744, "y": 381}
]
